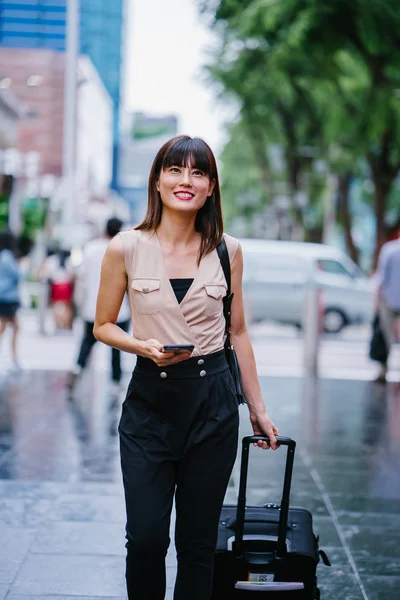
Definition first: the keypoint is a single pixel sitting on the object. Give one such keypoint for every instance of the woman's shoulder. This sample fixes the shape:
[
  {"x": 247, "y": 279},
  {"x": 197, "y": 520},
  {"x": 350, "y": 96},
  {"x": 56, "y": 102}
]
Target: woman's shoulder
[
  {"x": 232, "y": 244},
  {"x": 131, "y": 242},
  {"x": 129, "y": 239},
  {"x": 129, "y": 235}
]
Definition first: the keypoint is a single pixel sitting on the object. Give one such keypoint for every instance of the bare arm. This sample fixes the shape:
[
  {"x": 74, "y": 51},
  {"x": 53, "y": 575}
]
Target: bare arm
[
  {"x": 262, "y": 424},
  {"x": 112, "y": 288}
]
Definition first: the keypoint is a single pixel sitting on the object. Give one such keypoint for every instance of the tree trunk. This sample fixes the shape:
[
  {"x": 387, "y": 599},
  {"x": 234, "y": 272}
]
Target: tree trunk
[
  {"x": 293, "y": 163},
  {"x": 314, "y": 235},
  {"x": 294, "y": 171},
  {"x": 344, "y": 192},
  {"x": 382, "y": 189},
  {"x": 261, "y": 159},
  {"x": 382, "y": 177}
]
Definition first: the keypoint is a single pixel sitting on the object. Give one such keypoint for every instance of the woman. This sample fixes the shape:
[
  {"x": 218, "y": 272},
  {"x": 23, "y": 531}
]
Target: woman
[
  {"x": 10, "y": 275},
  {"x": 57, "y": 271},
  {"x": 179, "y": 423}
]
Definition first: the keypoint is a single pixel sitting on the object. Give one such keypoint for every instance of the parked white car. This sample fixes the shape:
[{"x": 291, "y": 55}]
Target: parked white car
[{"x": 276, "y": 275}]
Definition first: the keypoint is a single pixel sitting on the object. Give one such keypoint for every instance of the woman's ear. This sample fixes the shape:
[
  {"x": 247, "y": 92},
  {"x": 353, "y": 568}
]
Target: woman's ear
[{"x": 211, "y": 188}]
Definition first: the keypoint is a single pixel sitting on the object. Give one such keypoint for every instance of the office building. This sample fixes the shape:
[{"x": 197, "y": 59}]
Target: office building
[
  {"x": 33, "y": 24},
  {"x": 10, "y": 109},
  {"x": 37, "y": 79},
  {"x": 41, "y": 24}
]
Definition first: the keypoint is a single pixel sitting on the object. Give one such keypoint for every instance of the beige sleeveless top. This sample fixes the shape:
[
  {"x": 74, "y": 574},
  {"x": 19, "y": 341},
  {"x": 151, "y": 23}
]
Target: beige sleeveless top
[{"x": 155, "y": 311}]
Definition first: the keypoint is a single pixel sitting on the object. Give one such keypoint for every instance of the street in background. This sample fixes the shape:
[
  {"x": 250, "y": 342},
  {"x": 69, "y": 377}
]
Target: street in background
[{"x": 276, "y": 276}]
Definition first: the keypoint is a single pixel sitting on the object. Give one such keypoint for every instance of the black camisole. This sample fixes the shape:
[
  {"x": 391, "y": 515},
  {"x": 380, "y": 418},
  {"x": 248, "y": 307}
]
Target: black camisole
[{"x": 180, "y": 287}]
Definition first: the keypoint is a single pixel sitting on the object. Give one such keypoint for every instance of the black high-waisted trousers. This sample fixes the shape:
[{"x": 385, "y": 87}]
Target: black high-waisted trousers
[{"x": 178, "y": 435}]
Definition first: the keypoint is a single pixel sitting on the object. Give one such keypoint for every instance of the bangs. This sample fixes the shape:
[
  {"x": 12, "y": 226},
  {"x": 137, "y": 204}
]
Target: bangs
[
  {"x": 185, "y": 152},
  {"x": 193, "y": 153}
]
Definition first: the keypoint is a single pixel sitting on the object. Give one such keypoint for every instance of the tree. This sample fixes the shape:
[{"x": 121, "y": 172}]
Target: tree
[
  {"x": 6, "y": 185},
  {"x": 244, "y": 181},
  {"x": 275, "y": 109},
  {"x": 350, "y": 50}
]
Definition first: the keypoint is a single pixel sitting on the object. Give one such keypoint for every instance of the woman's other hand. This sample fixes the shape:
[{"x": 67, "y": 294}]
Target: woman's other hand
[
  {"x": 154, "y": 350},
  {"x": 262, "y": 425}
]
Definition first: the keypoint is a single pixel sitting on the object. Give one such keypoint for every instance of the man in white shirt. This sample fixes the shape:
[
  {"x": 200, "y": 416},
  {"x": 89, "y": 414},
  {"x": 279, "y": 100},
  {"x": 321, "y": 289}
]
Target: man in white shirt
[
  {"x": 388, "y": 293},
  {"x": 89, "y": 276}
]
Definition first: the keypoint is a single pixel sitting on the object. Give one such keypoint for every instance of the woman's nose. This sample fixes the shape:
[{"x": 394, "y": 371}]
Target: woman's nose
[{"x": 185, "y": 179}]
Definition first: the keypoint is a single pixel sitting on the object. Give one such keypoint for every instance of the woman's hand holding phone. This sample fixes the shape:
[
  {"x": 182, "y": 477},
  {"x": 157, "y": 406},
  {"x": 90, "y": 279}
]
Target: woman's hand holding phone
[
  {"x": 168, "y": 354},
  {"x": 178, "y": 348}
]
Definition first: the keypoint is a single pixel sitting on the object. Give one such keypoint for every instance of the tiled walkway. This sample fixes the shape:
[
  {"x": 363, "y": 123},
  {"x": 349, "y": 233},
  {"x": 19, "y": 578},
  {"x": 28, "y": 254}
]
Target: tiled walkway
[{"x": 61, "y": 504}]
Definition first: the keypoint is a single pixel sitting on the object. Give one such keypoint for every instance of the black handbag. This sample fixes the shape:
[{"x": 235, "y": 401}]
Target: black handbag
[
  {"x": 230, "y": 352},
  {"x": 378, "y": 349}
]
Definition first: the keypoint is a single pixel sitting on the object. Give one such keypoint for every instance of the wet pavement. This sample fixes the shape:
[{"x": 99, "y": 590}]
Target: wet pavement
[{"x": 61, "y": 504}]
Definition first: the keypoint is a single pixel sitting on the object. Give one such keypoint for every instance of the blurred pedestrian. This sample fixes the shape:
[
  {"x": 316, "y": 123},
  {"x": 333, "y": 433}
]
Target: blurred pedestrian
[
  {"x": 89, "y": 279},
  {"x": 57, "y": 269},
  {"x": 388, "y": 294},
  {"x": 179, "y": 424},
  {"x": 10, "y": 277}
]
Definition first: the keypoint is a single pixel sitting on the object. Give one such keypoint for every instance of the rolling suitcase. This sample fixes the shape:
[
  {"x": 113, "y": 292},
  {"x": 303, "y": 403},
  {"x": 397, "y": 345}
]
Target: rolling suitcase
[{"x": 270, "y": 549}]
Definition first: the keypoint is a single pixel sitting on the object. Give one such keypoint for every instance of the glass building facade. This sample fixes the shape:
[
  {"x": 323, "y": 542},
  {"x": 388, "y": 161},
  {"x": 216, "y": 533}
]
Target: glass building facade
[
  {"x": 33, "y": 23},
  {"x": 102, "y": 40},
  {"x": 42, "y": 24}
]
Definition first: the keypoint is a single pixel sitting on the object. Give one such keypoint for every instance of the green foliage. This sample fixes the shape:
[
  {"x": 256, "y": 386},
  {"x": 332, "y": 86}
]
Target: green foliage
[
  {"x": 315, "y": 75},
  {"x": 275, "y": 110},
  {"x": 3, "y": 213},
  {"x": 242, "y": 189},
  {"x": 33, "y": 215}
]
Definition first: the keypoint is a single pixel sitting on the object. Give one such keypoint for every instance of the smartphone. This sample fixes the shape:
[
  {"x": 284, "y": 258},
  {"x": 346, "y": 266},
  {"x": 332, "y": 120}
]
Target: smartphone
[{"x": 178, "y": 348}]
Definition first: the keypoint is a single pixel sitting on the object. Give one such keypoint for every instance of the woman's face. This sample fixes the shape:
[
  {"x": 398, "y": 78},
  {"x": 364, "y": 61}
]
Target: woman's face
[{"x": 184, "y": 188}]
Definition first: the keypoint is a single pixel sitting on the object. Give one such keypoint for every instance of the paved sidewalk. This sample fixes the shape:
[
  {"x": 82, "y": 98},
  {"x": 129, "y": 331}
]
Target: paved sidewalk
[{"x": 61, "y": 503}]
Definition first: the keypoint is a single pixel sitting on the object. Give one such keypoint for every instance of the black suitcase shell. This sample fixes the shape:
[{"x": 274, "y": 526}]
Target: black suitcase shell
[{"x": 273, "y": 541}]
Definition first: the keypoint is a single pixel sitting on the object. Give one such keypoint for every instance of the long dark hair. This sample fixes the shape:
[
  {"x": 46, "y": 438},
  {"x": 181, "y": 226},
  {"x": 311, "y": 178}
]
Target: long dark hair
[{"x": 185, "y": 151}]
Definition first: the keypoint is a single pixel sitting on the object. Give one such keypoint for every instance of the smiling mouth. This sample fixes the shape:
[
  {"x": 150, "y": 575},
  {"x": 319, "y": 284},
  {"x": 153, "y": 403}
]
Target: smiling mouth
[{"x": 184, "y": 195}]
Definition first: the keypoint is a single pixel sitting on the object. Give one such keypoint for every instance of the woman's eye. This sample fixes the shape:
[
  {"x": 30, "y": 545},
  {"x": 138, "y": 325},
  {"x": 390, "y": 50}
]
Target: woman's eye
[
  {"x": 198, "y": 173},
  {"x": 174, "y": 170}
]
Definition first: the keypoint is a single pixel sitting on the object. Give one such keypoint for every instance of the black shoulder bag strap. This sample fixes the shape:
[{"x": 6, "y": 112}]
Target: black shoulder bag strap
[
  {"x": 226, "y": 267},
  {"x": 229, "y": 349}
]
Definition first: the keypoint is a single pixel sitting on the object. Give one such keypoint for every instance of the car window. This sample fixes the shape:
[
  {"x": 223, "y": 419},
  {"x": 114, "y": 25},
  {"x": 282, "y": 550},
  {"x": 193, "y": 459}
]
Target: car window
[{"x": 332, "y": 266}]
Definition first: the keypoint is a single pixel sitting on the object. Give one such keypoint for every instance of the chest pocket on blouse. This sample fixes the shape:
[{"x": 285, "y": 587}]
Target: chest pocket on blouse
[
  {"x": 146, "y": 296},
  {"x": 214, "y": 294}
]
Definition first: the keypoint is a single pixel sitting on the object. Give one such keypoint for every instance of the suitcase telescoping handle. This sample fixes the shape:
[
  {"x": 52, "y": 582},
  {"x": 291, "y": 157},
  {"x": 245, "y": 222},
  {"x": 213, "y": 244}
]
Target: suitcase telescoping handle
[{"x": 284, "y": 507}]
